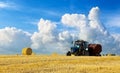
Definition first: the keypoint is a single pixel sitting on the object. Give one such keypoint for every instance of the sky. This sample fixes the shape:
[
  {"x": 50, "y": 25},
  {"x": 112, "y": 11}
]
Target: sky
[
  {"x": 17, "y": 13},
  {"x": 37, "y": 23}
]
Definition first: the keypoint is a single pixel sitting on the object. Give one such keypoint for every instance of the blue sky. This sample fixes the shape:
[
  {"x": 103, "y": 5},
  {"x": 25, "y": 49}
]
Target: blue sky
[
  {"x": 24, "y": 14},
  {"x": 35, "y": 23}
]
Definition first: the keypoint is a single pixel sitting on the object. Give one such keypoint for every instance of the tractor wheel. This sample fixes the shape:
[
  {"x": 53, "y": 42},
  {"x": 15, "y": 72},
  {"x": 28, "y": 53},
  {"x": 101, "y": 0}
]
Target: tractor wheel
[
  {"x": 68, "y": 53},
  {"x": 77, "y": 53},
  {"x": 99, "y": 55}
]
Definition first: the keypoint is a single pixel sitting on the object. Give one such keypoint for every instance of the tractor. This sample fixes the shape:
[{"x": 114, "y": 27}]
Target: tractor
[{"x": 83, "y": 48}]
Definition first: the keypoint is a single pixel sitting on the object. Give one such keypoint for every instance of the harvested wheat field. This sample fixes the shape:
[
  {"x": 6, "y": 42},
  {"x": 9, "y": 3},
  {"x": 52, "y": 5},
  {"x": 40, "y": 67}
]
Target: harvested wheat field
[{"x": 59, "y": 64}]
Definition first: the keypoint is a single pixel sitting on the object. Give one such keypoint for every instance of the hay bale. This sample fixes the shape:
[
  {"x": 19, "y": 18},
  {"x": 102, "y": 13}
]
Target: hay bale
[{"x": 26, "y": 51}]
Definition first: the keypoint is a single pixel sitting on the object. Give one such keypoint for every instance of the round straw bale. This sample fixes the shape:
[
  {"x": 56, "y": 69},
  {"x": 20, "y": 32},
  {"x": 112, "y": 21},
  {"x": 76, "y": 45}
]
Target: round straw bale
[{"x": 26, "y": 51}]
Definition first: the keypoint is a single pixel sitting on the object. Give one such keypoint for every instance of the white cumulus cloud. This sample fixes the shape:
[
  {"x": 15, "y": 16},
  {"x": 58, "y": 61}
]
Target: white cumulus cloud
[
  {"x": 93, "y": 31},
  {"x": 49, "y": 39},
  {"x": 45, "y": 33},
  {"x": 12, "y": 40},
  {"x": 74, "y": 20}
]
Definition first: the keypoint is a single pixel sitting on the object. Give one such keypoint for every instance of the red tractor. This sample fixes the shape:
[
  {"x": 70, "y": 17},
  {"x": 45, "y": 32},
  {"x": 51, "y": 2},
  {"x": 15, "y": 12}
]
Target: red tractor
[{"x": 82, "y": 48}]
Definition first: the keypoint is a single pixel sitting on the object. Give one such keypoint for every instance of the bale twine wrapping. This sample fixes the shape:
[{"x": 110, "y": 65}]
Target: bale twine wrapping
[{"x": 26, "y": 51}]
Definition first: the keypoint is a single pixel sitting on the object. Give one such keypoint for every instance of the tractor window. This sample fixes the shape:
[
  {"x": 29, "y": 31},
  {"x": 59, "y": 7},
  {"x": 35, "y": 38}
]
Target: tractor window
[
  {"x": 86, "y": 44},
  {"x": 76, "y": 45}
]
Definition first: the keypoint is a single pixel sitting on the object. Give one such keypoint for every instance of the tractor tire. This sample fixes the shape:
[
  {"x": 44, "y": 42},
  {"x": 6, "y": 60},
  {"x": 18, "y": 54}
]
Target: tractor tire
[
  {"x": 99, "y": 55},
  {"x": 77, "y": 53},
  {"x": 68, "y": 53}
]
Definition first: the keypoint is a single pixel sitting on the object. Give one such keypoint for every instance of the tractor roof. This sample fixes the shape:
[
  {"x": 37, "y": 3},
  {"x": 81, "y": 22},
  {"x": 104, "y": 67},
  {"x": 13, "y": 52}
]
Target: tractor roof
[{"x": 81, "y": 41}]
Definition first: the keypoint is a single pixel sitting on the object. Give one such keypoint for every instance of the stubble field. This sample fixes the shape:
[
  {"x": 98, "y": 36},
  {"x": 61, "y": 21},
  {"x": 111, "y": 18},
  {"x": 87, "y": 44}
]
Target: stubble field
[{"x": 59, "y": 64}]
